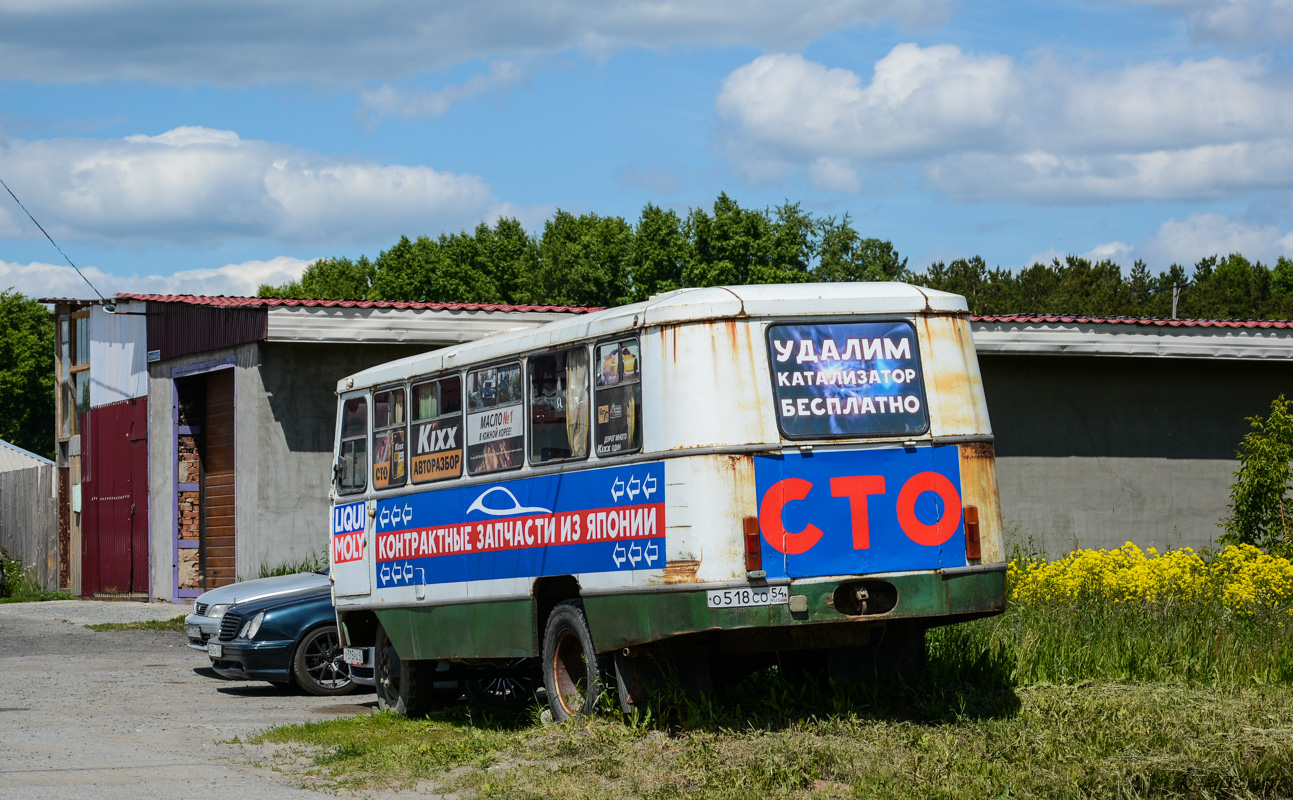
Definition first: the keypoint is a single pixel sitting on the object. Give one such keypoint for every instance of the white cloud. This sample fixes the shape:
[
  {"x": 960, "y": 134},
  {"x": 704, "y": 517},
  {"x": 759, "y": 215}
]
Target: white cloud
[
  {"x": 196, "y": 184},
  {"x": 38, "y": 279},
  {"x": 388, "y": 101},
  {"x": 1202, "y": 235},
  {"x": 920, "y": 100},
  {"x": 1235, "y": 23},
  {"x": 329, "y": 41},
  {"x": 835, "y": 175},
  {"x": 1046, "y": 177},
  {"x": 987, "y": 128}
]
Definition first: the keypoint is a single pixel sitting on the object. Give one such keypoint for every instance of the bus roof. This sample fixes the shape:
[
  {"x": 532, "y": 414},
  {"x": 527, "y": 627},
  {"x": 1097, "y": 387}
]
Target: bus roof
[{"x": 672, "y": 308}]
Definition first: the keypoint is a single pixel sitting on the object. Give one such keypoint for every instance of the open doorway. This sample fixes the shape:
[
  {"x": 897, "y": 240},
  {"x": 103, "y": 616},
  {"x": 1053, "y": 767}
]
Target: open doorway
[{"x": 205, "y": 529}]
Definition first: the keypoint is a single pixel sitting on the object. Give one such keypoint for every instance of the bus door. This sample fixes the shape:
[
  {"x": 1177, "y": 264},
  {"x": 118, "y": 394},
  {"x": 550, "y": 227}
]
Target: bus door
[{"x": 348, "y": 549}]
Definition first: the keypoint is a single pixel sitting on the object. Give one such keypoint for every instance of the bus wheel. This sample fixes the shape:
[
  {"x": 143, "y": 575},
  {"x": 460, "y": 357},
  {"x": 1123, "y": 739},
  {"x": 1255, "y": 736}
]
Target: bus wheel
[
  {"x": 405, "y": 687},
  {"x": 572, "y": 674}
]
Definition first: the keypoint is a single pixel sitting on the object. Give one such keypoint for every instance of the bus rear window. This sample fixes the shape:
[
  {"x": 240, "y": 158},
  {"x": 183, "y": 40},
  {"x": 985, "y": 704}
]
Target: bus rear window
[{"x": 847, "y": 379}]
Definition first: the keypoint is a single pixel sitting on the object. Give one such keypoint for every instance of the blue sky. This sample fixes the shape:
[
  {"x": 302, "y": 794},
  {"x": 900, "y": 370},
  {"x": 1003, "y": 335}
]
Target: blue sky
[{"x": 207, "y": 148}]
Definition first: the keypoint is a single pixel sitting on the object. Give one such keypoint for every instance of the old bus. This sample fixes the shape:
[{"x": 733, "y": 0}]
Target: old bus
[{"x": 716, "y": 479}]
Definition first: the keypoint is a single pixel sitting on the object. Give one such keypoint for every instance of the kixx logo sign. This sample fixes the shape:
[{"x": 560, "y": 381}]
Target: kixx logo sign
[{"x": 433, "y": 441}]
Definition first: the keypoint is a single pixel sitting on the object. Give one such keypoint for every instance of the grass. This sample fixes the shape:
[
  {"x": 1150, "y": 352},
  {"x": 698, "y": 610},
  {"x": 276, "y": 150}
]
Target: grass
[
  {"x": 312, "y": 563},
  {"x": 20, "y": 584},
  {"x": 1086, "y": 741},
  {"x": 1077, "y": 699},
  {"x": 1171, "y": 643},
  {"x": 174, "y": 624}
]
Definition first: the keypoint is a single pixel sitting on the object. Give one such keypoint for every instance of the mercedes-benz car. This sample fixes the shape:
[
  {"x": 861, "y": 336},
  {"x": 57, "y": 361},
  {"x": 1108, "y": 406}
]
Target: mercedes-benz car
[
  {"x": 283, "y": 640},
  {"x": 210, "y": 606}
]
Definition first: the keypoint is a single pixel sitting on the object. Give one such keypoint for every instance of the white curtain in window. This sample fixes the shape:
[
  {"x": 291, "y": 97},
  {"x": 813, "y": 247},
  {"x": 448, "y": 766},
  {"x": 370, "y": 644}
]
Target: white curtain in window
[{"x": 577, "y": 403}]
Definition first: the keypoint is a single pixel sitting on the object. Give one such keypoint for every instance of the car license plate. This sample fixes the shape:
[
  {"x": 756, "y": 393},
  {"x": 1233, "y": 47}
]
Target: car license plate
[
  {"x": 214, "y": 650},
  {"x": 353, "y": 656},
  {"x": 193, "y": 631},
  {"x": 749, "y": 596}
]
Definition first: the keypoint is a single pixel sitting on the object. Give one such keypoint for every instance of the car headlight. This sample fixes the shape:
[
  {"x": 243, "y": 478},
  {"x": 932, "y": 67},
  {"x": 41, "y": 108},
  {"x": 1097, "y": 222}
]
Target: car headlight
[
  {"x": 252, "y": 626},
  {"x": 217, "y": 611}
]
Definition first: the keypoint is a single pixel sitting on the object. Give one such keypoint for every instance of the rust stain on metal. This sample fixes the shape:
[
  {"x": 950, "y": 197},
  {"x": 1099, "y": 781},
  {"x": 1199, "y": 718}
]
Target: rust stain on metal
[
  {"x": 979, "y": 488},
  {"x": 681, "y": 571}
]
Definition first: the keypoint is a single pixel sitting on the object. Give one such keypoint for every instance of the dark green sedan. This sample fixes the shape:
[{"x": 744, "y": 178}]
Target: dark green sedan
[{"x": 283, "y": 640}]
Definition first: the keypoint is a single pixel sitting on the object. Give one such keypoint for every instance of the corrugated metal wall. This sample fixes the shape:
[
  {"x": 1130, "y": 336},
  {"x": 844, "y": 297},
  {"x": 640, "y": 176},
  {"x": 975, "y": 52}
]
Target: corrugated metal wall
[
  {"x": 114, "y": 500},
  {"x": 29, "y": 521},
  {"x": 117, "y": 342},
  {"x": 177, "y": 329}
]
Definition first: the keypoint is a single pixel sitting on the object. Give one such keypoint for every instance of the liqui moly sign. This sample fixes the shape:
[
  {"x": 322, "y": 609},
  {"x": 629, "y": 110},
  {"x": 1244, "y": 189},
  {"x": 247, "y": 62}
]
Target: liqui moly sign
[{"x": 348, "y": 532}]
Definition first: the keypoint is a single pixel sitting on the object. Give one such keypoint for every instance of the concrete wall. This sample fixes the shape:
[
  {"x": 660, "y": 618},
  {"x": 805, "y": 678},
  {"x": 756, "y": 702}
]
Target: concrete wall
[
  {"x": 29, "y": 521},
  {"x": 285, "y": 407},
  {"x": 1098, "y": 451},
  {"x": 162, "y": 456},
  {"x": 288, "y": 404}
]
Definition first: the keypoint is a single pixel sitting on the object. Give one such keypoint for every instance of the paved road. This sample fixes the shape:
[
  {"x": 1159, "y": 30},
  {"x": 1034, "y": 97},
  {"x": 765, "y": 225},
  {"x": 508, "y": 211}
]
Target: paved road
[{"x": 119, "y": 715}]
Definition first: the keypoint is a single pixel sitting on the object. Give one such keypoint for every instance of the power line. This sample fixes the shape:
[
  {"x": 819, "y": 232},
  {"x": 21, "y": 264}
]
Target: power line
[{"x": 51, "y": 240}]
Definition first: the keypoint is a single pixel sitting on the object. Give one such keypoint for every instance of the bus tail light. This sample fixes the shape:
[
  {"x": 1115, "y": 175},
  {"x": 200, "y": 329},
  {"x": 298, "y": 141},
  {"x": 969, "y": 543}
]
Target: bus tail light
[
  {"x": 753, "y": 549},
  {"x": 972, "y": 550}
]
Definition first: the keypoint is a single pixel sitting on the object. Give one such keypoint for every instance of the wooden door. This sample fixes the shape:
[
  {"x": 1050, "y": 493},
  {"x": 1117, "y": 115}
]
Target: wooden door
[{"x": 217, "y": 500}]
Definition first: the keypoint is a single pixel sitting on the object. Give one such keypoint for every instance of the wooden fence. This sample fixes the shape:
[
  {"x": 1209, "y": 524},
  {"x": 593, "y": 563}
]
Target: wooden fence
[{"x": 29, "y": 521}]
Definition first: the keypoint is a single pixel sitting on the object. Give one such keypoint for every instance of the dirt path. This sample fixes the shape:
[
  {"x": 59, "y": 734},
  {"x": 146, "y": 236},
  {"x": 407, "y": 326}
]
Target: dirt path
[{"x": 131, "y": 714}]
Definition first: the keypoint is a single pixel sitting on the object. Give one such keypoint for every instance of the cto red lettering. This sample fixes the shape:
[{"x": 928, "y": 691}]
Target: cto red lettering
[
  {"x": 774, "y": 530},
  {"x": 858, "y": 489},
  {"x": 917, "y": 531}
]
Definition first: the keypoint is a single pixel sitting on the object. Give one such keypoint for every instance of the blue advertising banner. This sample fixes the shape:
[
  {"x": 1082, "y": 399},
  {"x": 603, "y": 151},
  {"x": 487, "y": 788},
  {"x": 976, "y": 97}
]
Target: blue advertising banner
[
  {"x": 855, "y": 378},
  {"x": 860, "y": 511},
  {"x": 603, "y": 520}
]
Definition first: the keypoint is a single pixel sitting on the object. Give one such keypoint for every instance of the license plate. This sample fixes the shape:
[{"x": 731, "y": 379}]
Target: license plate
[
  {"x": 749, "y": 596},
  {"x": 214, "y": 650},
  {"x": 353, "y": 656},
  {"x": 193, "y": 631}
]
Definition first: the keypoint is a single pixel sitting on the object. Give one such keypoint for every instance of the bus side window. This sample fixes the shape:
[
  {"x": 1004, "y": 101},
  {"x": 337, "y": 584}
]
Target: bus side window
[
  {"x": 495, "y": 428},
  {"x": 618, "y": 368},
  {"x": 389, "y": 438},
  {"x": 437, "y": 430},
  {"x": 558, "y": 406},
  {"x": 352, "y": 475}
]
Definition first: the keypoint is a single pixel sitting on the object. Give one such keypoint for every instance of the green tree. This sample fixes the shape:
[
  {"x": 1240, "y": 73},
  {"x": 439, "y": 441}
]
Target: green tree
[
  {"x": 583, "y": 260},
  {"x": 26, "y": 373},
  {"x": 1260, "y": 510},
  {"x": 658, "y": 255},
  {"x": 843, "y": 255},
  {"x": 447, "y": 270},
  {"x": 328, "y": 279}
]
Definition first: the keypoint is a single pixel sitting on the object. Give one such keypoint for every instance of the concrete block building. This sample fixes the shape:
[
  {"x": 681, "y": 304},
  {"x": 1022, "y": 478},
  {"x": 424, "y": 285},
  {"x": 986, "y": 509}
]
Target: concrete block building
[{"x": 195, "y": 433}]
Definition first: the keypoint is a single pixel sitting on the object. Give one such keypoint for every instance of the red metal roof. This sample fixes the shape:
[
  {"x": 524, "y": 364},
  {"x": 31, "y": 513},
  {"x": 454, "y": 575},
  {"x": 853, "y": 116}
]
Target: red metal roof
[
  {"x": 1067, "y": 319},
  {"x": 270, "y": 302}
]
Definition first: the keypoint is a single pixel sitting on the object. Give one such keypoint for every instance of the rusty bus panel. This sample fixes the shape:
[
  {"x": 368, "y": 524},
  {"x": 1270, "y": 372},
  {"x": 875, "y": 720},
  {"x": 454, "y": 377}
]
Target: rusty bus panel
[
  {"x": 953, "y": 382},
  {"x": 712, "y": 387},
  {"x": 979, "y": 488}
]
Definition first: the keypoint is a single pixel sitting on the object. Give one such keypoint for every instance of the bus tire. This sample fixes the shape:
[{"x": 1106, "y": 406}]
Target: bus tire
[
  {"x": 572, "y": 673},
  {"x": 405, "y": 687}
]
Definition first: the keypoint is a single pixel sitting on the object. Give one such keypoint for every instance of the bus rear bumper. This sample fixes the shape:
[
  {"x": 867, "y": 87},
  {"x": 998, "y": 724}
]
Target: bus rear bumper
[{"x": 820, "y": 613}]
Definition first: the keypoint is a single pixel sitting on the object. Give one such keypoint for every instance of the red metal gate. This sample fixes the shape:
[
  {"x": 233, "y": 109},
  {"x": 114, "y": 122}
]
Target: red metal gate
[{"x": 114, "y": 491}]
